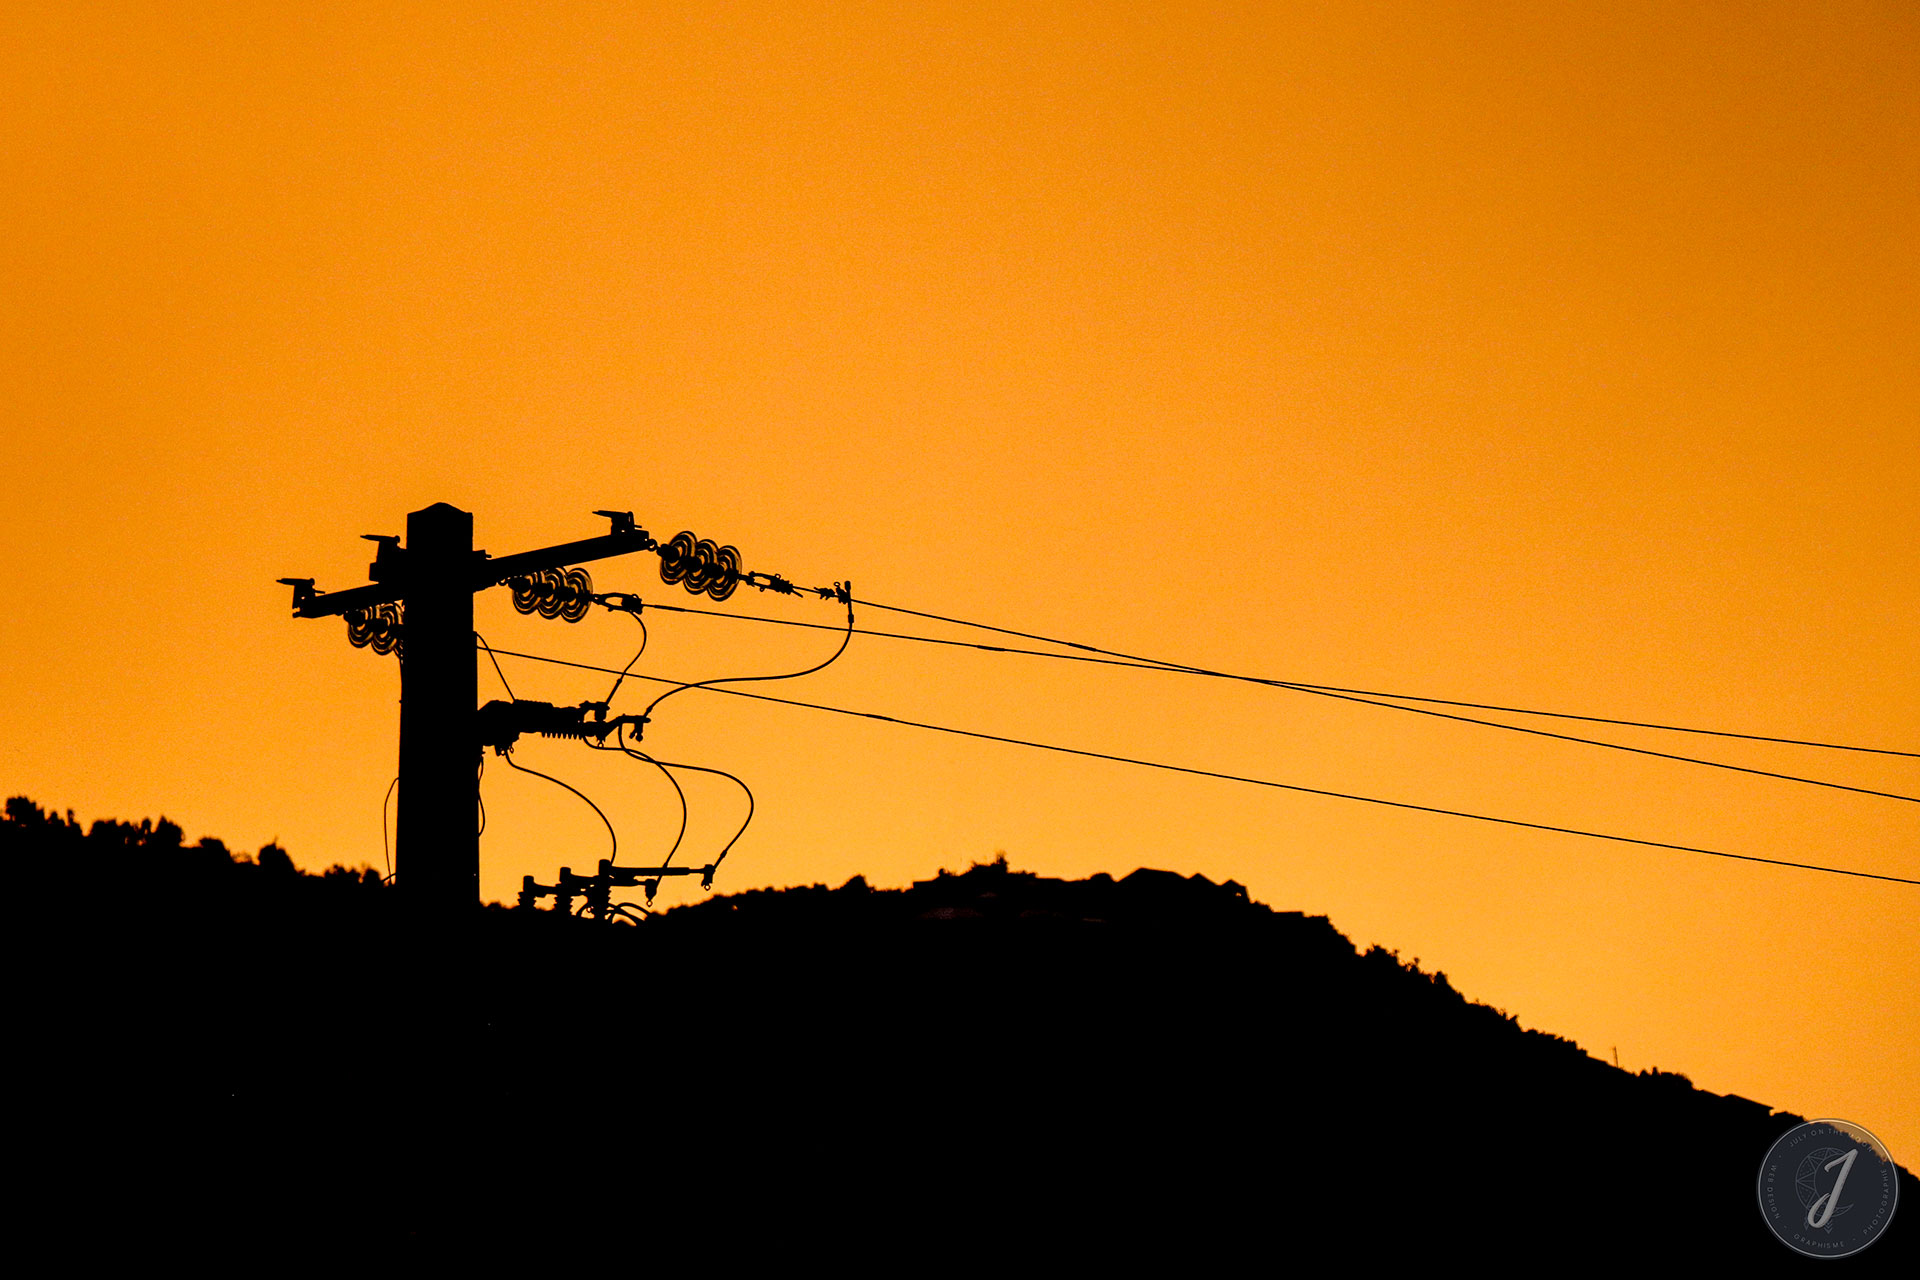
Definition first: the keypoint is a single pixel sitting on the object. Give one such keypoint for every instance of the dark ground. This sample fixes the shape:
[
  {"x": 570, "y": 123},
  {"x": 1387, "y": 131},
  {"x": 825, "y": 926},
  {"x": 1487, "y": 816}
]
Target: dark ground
[{"x": 228, "y": 1058}]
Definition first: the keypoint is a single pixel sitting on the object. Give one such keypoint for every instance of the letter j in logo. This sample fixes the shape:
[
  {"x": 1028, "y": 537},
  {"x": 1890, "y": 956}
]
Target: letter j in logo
[{"x": 1828, "y": 1188}]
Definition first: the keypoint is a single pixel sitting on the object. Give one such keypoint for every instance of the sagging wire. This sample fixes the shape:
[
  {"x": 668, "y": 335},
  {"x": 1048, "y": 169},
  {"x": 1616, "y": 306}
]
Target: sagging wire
[
  {"x": 1259, "y": 782},
  {"x": 496, "y": 666},
  {"x": 666, "y": 766},
  {"x": 1125, "y": 659},
  {"x": 633, "y": 613},
  {"x": 556, "y": 782},
  {"x": 631, "y": 604},
  {"x": 846, "y": 637},
  {"x": 621, "y": 746},
  {"x": 478, "y": 779},
  {"x": 386, "y": 841},
  {"x": 1321, "y": 692},
  {"x": 846, "y": 596},
  {"x": 1112, "y": 657}
]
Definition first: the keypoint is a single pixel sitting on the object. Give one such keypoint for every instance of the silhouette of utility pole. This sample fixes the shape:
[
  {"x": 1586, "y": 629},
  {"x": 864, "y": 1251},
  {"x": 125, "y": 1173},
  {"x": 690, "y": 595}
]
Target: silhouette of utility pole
[{"x": 420, "y": 602}]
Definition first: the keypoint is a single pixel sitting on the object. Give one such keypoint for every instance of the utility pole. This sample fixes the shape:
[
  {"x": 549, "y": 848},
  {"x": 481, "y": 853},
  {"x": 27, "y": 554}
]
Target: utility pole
[
  {"x": 420, "y": 603},
  {"x": 436, "y": 834}
]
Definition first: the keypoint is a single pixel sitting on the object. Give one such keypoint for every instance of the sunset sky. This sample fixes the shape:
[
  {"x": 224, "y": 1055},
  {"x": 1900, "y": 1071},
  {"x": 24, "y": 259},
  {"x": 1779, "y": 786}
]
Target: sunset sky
[{"x": 1555, "y": 356}]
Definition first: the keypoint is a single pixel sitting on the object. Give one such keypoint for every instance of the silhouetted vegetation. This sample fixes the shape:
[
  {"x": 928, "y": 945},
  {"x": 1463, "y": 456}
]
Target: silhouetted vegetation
[
  {"x": 1094, "y": 1072},
  {"x": 149, "y": 862}
]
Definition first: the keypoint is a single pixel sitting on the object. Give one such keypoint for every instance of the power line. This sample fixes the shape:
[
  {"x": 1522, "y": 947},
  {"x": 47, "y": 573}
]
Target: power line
[
  {"x": 620, "y": 738},
  {"x": 785, "y": 675},
  {"x": 386, "y": 841},
  {"x": 1374, "y": 693},
  {"x": 1611, "y": 746},
  {"x": 496, "y": 665},
  {"x": 1258, "y": 782},
  {"x": 636, "y": 657},
  {"x": 1344, "y": 695},
  {"x": 666, "y": 767},
  {"x": 556, "y": 782}
]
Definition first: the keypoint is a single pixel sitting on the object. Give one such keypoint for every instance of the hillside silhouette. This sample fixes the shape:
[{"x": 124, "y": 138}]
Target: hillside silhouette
[{"x": 1110, "y": 1070}]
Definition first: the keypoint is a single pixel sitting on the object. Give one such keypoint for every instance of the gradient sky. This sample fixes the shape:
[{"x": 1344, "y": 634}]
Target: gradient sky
[{"x": 1560, "y": 356}]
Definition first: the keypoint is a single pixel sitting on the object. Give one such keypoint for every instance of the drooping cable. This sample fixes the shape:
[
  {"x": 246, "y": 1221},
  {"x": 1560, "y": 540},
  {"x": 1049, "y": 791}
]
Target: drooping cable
[
  {"x": 701, "y": 768},
  {"x": 1259, "y": 782},
  {"x": 1367, "y": 693},
  {"x": 496, "y": 666},
  {"x": 790, "y": 675},
  {"x": 386, "y": 841},
  {"x": 1371, "y": 700},
  {"x": 635, "y": 615},
  {"x": 1596, "y": 742},
  {"x": 681, "y": 835},
  {"x": 556, "y": 782},
  {"x": 621, "y": 746},
  {"x": 479, "y": 795}
]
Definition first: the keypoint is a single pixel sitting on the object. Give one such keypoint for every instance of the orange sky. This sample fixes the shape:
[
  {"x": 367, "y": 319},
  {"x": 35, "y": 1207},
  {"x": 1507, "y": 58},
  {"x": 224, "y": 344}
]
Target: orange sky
[{"x": 1561, "y": 356}]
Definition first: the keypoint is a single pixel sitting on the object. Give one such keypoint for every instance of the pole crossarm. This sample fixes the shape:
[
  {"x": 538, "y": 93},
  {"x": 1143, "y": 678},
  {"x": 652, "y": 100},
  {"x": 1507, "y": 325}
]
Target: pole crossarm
[
  {"x": 308, "y": 603},
  {"x": 494, "y": 572},
  {"x": 390, "y": 575}
]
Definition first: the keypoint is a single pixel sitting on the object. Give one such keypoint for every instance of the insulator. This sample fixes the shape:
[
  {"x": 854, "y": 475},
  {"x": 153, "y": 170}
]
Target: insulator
[
  {"x": 726, "y": 573},
  {"x": 386, "y": 625},
  {"x": 569, "y": 887},
  {"x": 359, "y": 628},
  {"x": 579, "y": 595},
  {"x": 706, "y": 563},
  {"x": 677, "y": 557},
  {"x": 526, "y": 598},
  {"x": 551, "y": 588}
]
